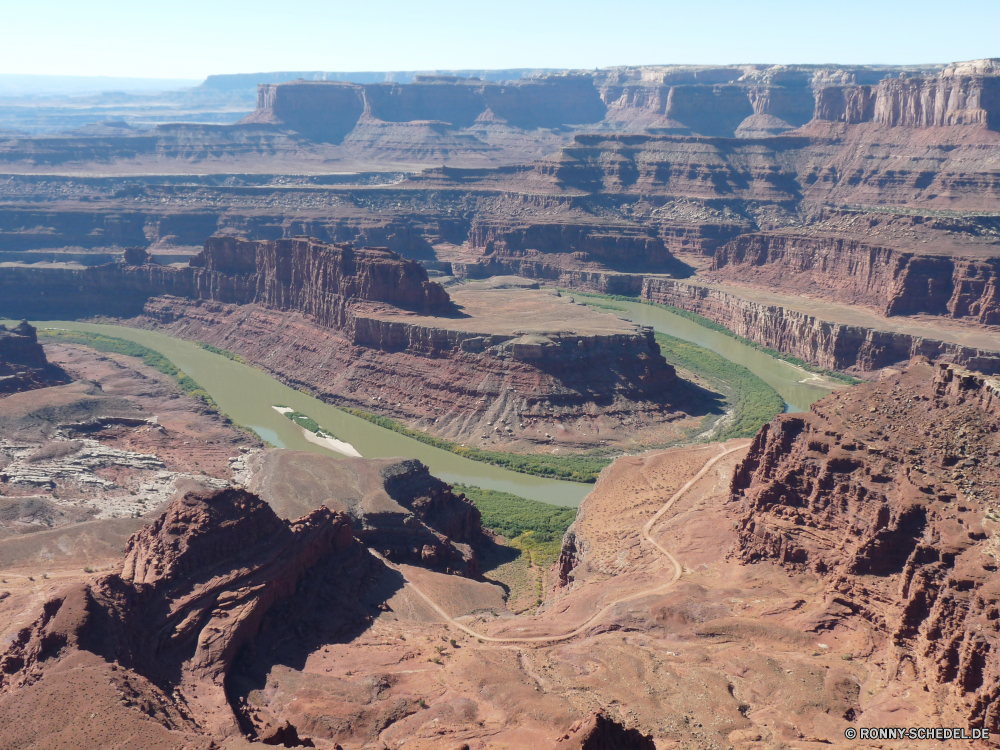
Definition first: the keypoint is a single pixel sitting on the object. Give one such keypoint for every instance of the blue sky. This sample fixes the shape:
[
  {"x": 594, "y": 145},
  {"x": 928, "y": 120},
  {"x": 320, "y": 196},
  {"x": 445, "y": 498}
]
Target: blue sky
[{"x": 191, "y": 39}]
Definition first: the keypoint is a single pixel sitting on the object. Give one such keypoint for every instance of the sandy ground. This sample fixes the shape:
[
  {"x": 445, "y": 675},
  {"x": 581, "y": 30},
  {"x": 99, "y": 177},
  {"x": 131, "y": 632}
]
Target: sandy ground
[{"x": 712, "y": 658}]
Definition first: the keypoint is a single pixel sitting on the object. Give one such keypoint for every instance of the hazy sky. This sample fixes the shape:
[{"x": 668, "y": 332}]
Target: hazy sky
[{"x": 193, "y": 38}]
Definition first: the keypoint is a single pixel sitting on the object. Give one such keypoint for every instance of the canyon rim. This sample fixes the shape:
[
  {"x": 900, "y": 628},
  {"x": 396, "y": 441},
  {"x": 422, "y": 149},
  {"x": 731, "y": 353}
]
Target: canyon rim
[{"x": 749, "y": 313}]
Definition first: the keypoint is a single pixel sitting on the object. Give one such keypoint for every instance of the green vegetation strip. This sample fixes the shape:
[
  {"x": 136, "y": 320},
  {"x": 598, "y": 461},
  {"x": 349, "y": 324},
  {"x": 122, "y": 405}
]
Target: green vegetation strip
[
  {"x": 222, "y": 352},
  {"x": 535, "y": 528},
  {"x": 583, "y": 468},
  {"x": 754, "y": 402},
  {"x": 306, "y": 422},
  {"x": 149, "y": 357},
  {"x": 718, "y": 328}
]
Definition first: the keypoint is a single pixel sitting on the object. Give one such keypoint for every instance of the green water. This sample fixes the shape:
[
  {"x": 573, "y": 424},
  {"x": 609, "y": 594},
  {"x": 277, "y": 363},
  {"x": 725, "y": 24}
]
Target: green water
[
  {"x": 797, "y": 387},
  {"x": 247, "y": 395}
]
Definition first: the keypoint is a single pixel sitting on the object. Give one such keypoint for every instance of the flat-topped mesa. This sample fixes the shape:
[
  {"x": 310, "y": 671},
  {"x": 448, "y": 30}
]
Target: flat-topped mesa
[
  {"x": 328, "y": 110},
  {"x": 311, "y": 276},
  {"x": 962, "y": 94}
]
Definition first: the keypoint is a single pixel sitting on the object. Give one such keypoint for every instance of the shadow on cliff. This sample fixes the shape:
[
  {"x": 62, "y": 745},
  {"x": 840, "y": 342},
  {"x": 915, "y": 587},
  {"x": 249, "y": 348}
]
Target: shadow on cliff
[{"x": 335, "y": 602}]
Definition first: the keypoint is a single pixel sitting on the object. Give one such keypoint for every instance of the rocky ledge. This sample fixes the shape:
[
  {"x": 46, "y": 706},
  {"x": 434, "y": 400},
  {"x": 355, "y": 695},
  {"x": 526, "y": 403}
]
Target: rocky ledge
[
  {"x": 887, "y": 491},
  {"x": 192, "y": 590},
  {"x": 23, "y": 366},
  {"x": 395, "y": 505}
]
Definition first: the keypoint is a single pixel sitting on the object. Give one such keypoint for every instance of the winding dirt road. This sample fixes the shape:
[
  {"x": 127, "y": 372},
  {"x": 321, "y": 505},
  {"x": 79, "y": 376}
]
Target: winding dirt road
[{"x": 646, "y": 529}]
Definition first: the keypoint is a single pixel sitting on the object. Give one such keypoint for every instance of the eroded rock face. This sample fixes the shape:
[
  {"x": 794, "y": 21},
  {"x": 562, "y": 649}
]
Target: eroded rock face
[
  {"x": 395, "y": 505},
  {"x": 299, "y": 274},
  {"x": 23, "y": 366},
  {"x": 962, "y": 94},
  {"x": 310, "y": 276},
  {"x": 885, "y": 490},
  {"x": 893, "y": 282},
  {"x": 836, "y": 346},
  {"x": 329, "y": 111},
  {"x": 192, "y": 591}
]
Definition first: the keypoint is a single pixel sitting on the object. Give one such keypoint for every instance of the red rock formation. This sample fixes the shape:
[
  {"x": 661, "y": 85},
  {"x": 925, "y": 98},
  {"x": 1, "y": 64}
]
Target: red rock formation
[
  {"x": 890, "y": 281},
  {"x": 444, "y": 380},
  {"x": 297, "y": 274},
  {"x": 834, "y": 346},
  {"x": 330, "y": 110},
  {"x": 191, "y": 592},
  {"x": 618, "y": 247},
  {"x": 962, "y": 94},
  {"x": 883, "y": 490},
  {"x": 310, "y": 276},
  {"x": 23, "y": 366}
]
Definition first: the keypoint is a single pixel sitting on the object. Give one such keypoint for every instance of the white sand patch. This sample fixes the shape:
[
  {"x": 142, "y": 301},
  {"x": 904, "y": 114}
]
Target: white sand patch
[
  {"x": 323, "y": 439},
  {"x": 338, "y": 446}
]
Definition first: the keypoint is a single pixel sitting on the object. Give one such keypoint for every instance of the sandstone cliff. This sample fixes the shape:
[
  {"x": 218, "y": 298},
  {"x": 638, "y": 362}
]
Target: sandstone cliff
[
  {"x": 890, "y": 281},
  {"x": 296, "y": 274},
  {"x": 23, "y": 365},
  {"x": 835, "y": 346},
  {"x": 330, "y": 110},
  {"x": 883, "y": 491},
  {"x": 453, "y": 380},
  {"x": 619, "y": 247},
  {"x": 191, "y": 592},
  {"x": 961, "y": 94}
]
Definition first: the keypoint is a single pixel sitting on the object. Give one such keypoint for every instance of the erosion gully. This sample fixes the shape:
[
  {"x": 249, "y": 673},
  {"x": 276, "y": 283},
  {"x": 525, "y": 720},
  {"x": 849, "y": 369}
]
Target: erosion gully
[{"x": 247, "y": 395}]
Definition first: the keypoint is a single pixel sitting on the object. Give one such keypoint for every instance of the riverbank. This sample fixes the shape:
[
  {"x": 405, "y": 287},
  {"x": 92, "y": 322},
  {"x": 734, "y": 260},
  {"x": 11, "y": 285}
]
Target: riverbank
[{"x": 246, "y": 394}]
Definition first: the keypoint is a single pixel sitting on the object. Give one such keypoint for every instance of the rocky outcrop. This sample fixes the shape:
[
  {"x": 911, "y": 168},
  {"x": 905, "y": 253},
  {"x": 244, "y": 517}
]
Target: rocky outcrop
[
  {"x": 617, "y": 247},
  {"x": 23, "y": 365},
  {"x": 882, "y": 490},
  {"x": 330, "y": 110},
  {"x": 893, "y": 282},
  {"x": 191, "y": 592},
  {"x": 297, "y": 274},
  {"x": 961, "y": 94},
  {"x": 310, "y": 276},
  {"x": 459, "y": 384},
  {"x": 600, "y": 732},
  {"x": 396, "y": 506},
  {"x": 834, "y": 346}
]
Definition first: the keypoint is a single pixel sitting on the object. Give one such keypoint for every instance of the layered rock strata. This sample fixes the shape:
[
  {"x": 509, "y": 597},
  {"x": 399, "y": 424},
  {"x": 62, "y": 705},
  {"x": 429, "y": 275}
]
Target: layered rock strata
[
  {"x": 577, "y": 388},
  {"x": 961, "y": 94},
  {"x": 298, "y": 274},
  {"x": 396, "y": 506},
  {"x": 891, "y": 281},
  {"x": 331, "y": 110},
  {"x": 23, "y": 365},
  {"x": 620, "y": 248},
  {"x": 191, "y": 592},
  {"x": 830, "y": 345},
  {"x": 886, "y": 491},
  {"x": 381, "y": 321}
]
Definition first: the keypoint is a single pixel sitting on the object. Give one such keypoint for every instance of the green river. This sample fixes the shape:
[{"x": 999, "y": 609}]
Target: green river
[
  {"x": 796, "y": 386},
  {"x": 247, "y": 395}
]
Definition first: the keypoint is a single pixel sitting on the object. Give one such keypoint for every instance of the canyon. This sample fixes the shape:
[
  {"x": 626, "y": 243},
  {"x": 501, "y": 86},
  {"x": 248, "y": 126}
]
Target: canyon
[
  {"x": 440, "y": 254},
  {"x": 492, "y": 362}
]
